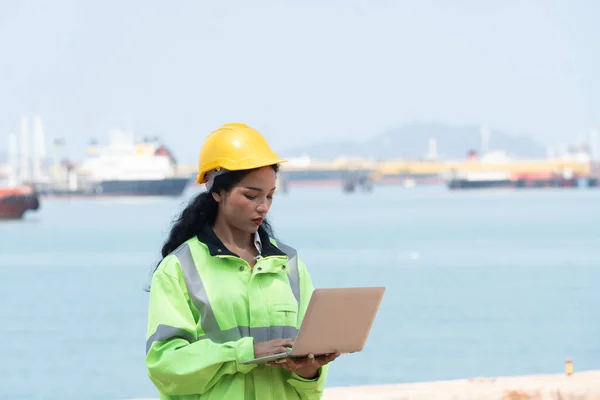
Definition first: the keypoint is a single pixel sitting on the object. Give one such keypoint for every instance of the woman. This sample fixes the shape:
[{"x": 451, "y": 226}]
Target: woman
[{"x": 226, "y": 291}]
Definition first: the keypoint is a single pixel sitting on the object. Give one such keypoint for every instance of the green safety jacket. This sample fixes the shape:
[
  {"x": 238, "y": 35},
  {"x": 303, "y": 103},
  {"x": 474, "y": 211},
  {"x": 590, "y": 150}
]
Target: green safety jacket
[{"x": 207, "y": 308}]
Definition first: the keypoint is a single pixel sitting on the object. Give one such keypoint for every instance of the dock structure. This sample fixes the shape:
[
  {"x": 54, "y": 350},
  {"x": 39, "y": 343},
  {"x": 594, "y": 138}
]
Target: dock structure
[
  {"x": 381, "y": 169},
  {"x": 579, "y": 386}
]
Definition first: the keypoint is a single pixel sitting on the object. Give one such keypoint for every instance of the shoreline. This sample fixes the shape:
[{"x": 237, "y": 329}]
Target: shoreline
[{"x": 582, "y": 385}]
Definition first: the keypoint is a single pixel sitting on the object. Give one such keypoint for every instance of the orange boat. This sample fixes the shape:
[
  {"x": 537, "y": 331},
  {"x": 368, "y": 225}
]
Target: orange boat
[{"x": 15, "y": 201}]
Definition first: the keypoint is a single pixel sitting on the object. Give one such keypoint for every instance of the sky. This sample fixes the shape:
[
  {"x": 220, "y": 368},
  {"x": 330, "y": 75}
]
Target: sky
[{"x": 299, "y": 71}]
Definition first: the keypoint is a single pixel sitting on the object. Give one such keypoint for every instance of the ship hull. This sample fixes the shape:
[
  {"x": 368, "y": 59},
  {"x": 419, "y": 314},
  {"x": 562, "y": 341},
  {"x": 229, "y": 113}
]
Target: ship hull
[
  {"x": 171, "y": 187},
  {"x": 458, "y": 184},
  {"x": 164, "y": 187},
  {"x": 14, "y": 205}
]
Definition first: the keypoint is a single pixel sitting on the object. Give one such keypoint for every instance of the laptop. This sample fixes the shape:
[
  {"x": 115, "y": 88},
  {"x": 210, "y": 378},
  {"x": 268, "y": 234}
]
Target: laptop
[{"x": 336, "y": 321}]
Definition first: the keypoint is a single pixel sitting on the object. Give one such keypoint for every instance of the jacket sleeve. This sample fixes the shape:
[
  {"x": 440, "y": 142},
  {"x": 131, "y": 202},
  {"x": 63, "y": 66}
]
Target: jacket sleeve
[
  {"x": 177, "y": 362},
  {"x": 308, "y": 389}
]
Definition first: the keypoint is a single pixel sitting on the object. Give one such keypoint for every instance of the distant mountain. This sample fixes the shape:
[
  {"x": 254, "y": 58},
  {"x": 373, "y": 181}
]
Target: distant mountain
[{"x": 412, "y": 141}]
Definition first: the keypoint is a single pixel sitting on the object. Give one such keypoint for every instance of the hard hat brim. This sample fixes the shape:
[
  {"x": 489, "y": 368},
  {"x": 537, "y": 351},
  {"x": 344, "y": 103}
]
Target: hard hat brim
[{"x": 201, "y": 177}]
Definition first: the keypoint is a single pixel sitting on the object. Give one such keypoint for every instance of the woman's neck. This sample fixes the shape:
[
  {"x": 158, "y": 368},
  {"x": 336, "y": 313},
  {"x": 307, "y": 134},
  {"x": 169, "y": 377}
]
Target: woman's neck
[{"x": 232, "y": 237}]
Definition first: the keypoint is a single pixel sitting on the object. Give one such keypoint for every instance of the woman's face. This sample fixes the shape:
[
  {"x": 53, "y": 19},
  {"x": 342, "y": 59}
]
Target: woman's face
[{"x": 247, "y": 204}]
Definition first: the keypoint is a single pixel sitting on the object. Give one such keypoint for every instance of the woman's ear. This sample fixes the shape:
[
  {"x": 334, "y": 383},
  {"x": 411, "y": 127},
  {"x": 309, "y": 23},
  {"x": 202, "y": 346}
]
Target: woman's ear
[{"x": 217, "y": 196}]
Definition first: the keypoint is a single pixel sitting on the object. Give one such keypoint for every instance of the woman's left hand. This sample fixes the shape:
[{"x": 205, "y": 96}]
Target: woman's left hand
[{"x": 306, "y": 367}]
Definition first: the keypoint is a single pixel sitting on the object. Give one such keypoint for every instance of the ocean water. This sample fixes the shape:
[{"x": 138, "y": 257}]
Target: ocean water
[{"x": 478, "y": 284}]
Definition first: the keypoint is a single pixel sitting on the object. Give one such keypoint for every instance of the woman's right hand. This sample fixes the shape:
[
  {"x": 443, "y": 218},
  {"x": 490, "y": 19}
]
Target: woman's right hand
[{"x": 271, "y": 347}]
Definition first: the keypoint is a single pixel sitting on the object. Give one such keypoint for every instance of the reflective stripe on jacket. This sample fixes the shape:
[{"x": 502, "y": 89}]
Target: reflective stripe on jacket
[{"x": 208, "y": 307}]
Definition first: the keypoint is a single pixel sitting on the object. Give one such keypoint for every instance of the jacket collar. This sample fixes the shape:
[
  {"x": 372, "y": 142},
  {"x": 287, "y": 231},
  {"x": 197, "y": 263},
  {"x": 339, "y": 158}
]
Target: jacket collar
[{"x": 217, "y": 248}]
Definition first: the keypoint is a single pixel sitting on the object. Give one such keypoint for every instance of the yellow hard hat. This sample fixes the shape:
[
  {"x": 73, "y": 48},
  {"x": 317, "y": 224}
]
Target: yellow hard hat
[{"x": 234, "y": 146}]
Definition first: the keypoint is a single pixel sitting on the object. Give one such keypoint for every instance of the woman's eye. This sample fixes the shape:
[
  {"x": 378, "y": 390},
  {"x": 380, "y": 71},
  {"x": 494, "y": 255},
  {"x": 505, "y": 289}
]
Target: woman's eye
[
  {"x": 250, "y": 197},
  {"x": 270, "y": 197}
]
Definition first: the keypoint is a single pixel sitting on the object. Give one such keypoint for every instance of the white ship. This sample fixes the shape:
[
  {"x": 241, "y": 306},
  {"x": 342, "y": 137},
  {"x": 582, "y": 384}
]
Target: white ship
[{"x": 125, "y": 167}]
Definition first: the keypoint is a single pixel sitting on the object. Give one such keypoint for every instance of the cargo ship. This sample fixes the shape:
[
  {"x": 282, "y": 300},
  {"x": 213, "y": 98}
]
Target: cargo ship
[
  {"x": 520, "y": 180},
  {"x": 495, "y": 170},
  {"x": 16, "y": 201},
  {"x": 122, "y": 168}
]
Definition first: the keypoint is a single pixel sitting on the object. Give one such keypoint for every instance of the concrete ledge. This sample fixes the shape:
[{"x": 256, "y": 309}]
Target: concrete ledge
[{"x": 580, "y": 386}]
